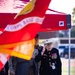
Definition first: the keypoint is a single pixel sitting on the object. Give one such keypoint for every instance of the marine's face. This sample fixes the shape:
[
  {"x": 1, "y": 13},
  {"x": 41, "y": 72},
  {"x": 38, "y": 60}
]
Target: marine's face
[{"x": 49, "y": 47}]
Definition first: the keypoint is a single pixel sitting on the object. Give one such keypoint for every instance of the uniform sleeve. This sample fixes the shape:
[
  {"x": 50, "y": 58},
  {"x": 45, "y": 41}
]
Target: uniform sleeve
[
  {"x": 39, "y": 56},
  {"x": 59, "y": 64}
]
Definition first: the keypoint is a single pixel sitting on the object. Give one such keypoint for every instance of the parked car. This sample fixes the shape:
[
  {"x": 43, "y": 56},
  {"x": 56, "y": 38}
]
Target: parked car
[{"x": 64, "y": 50}]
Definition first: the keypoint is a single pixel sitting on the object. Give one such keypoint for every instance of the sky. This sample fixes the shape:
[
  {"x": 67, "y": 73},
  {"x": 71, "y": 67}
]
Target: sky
[{"x": 65, "y": 6}]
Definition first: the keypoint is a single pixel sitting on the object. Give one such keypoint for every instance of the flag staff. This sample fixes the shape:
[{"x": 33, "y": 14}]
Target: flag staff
[{"x": 69, "y": 51}]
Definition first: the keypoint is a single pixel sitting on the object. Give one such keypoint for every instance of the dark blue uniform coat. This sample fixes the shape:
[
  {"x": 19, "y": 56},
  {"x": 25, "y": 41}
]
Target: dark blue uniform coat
[{"x": 50, "y": 62}]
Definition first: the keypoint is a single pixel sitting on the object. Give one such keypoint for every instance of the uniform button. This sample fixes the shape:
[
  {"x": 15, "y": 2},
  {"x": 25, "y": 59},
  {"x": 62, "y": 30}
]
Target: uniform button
[
  {"x": 49, "y": 59},
  {"x": 50, "y": 63},
  {"x": 49, "y": 52}
]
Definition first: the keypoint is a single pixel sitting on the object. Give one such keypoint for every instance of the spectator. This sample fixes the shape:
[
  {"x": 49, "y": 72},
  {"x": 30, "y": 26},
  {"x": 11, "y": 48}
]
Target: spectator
[
  {"x": 25, "y": 67},
  {"x": 33, "y": 70}
]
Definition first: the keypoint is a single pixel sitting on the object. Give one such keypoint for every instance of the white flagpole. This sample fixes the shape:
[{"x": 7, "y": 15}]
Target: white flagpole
[{"x": 69, "y": 51}]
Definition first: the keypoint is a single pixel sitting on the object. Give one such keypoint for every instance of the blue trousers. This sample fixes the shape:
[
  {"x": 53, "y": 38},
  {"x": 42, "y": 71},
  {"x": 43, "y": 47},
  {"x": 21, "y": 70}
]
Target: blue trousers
[{"x": 22, "y": 68}]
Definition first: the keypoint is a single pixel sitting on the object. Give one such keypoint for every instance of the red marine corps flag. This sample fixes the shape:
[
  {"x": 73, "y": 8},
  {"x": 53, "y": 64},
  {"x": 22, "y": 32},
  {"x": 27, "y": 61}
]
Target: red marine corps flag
[
  {"x": 18, "y": 36},
  {"x": 3, "y": 59}
]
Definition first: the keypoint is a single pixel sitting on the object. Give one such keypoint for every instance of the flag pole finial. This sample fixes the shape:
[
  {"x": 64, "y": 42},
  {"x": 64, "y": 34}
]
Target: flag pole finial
[{"x": 27, "y": 9}]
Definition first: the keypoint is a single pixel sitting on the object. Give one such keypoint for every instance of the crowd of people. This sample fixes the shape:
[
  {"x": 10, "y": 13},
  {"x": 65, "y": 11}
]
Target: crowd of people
[{"x": 45, "y": 61}]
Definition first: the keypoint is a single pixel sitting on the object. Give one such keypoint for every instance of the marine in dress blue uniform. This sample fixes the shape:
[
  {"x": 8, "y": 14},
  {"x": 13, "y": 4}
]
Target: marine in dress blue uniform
[{"x": 50, "y": 61}]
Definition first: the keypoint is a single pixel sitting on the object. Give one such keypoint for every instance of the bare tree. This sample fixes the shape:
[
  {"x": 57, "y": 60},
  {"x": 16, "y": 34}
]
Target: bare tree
[
  {"x": 73, "y": 15},
  {"x": 73, "y": 20}
]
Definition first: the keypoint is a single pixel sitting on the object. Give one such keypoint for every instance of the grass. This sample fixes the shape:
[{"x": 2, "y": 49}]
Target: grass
[
  {"x": 65, "y": 71},
  {"x": 65, "y": 66}
]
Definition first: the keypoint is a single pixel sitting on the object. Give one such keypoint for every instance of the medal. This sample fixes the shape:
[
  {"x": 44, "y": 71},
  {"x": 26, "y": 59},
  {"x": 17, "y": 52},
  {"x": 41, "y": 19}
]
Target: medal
[
  {"x": 54, "y": 56},
  {"x": 53, "y": 66}
]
